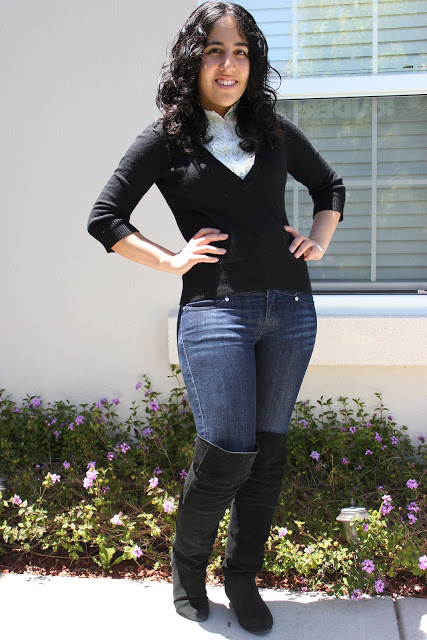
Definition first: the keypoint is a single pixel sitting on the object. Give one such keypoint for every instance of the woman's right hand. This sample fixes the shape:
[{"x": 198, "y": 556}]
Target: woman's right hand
[{"x": 196, "y": 250}]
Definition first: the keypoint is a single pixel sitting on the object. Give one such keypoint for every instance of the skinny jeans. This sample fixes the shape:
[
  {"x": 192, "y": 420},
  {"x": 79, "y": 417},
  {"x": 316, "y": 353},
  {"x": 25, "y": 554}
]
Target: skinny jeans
[{"x": 243, "y": 359}]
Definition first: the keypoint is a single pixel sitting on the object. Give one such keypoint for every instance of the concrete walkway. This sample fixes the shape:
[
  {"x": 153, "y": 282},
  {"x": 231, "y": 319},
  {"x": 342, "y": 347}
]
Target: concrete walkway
[{"x": 40, "y": 607}]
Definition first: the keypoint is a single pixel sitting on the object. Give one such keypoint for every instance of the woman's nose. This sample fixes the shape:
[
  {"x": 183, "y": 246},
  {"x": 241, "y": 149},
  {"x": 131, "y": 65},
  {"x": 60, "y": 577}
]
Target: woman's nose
[{"x": 227, "y": 61}]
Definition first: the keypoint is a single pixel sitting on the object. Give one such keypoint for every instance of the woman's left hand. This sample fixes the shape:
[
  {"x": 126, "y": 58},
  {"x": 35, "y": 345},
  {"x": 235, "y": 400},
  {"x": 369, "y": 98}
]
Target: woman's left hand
[{"x": 302, "y": 245}]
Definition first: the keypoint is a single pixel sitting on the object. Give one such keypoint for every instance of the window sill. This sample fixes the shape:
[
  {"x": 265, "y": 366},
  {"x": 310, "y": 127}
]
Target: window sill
[{"x": 382, "y": 330}]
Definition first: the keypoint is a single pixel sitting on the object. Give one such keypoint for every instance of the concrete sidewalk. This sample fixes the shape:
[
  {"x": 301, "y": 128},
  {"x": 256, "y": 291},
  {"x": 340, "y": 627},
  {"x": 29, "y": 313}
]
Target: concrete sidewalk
[{"x": 37, "y": 607}]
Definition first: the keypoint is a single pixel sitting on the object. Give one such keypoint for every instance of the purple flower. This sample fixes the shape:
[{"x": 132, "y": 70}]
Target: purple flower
[
  {"x": 383, "y": 447},
  {"x": 343, "y": 429},
  {"x": 379, "y": 586},
  {"x": 368, "y": 566},
  {"x": 16, "y": 499},
  {"x": 91, "y": 465},
  {"x": 147, "y": 432},
  {"x": 303, "y": 423},
  {"x": 368, "y": 424},
  {"x": 105, "y": 489},
  {"x": 380, "y": 487},
  {"x": 420, "y": 438},
  {"x": 35, "y": 402},
  {"x": 115, "y": 401},
  {"x": 412, "y": 506},
  {"x": 136, "y": 552},
  {"x": 394, "y": 440},
  {"x": 116, "y": 518},
  {"x": 37, "y": 466},
  {"x": 87, "y": 482},
  {"x": 282, "y": 532},
  {"x": 390, "y": 417},
  {"x": 304, "y": 588},
  {"x": 153, "y": 482},
  {"x": 71, "y": 426},
  {"x": 66, "y": 464},
  {"x": 378, "y": 437},
  {"x": 315, "y": 455},
  {"x": 356, "y": 594},
  {"x": 124, "y": 447},
  {"x": 352, "y": 429},
  {"x": 57, "y": 434},
  {"x": 54, "y": 477},
  {"x": 368, "y": 452},
  {"x": 91, "y": 474},
  {"x": 138, "y": 385},
  {"x": 411, "y": 518},
  {"x": 412, "y": 484},
  {"x": 365, "y": 526},
  {"x": 157, "y": 471},
  {"x": 344, "y": 461},
  {"x": 20, "y": 411},
  {"x": 154, "y": 405},
  {"x": 111, "y": 455},
  {"x": 79, "y": 420},
  {"x": 359, "y": 467},
  {"x": 422, "y": 562},
  {"x": 168, "y": 505},
  {"x": 148, "y": 393},
  {"x": 54, "y": 422},
  {"x": 183, "y": 474},
  {"x": 386, "y": 509}
]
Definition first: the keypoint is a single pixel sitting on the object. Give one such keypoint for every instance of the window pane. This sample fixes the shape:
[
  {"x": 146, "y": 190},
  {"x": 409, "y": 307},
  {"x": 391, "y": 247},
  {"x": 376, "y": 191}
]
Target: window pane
[
  {"x": 402, "y": 36},
  {"x": 379, "y": 148},
  {"x": 308, "y": 38},
  {"x": 334, "y": 38}
]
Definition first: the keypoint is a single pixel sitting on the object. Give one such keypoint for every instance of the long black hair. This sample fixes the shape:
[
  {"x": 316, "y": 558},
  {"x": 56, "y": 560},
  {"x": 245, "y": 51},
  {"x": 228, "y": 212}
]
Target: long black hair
[{"x": 177, "y": 96}]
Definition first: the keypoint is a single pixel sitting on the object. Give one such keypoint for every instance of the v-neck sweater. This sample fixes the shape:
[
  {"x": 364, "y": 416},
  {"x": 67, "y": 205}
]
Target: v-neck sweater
[{"x": 203, "y": 192}]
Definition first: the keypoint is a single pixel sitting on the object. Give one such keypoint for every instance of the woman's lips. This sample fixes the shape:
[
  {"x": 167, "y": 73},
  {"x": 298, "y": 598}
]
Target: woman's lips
[{"x": 223, "y": 82}]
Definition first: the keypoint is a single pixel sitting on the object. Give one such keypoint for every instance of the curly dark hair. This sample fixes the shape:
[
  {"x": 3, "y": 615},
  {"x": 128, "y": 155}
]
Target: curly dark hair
[{"x": 177, "y": 96}]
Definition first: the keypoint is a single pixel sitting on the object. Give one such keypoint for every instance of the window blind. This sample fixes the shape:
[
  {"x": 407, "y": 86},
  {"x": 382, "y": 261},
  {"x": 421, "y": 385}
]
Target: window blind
[
  {"x": 342, "y": 37},
  {"x": 378, "y": 145}
]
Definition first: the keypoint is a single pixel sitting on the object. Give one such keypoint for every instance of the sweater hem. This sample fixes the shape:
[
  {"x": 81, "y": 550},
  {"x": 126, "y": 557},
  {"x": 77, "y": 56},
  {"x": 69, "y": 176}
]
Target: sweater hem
[{"x": 212, "y": 281}]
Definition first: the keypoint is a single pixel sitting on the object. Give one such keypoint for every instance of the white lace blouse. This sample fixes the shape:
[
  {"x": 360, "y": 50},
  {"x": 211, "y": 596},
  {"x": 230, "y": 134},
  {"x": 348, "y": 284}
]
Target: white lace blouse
[{"x": 225, "y": 143}]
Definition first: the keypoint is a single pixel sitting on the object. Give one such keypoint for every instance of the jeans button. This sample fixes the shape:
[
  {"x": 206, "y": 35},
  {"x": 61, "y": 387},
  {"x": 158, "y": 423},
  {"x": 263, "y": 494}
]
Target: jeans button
[
  {"x": 296, "y": 298},
  {"x": 226, "y": 299}
]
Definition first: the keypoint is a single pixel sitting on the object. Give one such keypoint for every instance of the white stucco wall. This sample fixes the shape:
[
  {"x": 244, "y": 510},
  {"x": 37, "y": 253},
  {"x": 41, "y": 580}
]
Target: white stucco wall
[{"x": 78, "y": 83}]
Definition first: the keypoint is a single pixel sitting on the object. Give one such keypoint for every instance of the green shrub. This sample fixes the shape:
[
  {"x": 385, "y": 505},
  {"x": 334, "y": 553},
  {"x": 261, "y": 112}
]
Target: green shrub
[{"x": 85, "y": 483}]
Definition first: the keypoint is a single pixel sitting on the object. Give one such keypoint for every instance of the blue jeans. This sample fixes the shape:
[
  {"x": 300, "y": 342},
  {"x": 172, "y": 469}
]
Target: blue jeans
[{"x": 243, "y": 359}]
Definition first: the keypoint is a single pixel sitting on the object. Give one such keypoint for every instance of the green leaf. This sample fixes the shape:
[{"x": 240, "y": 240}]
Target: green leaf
[{"x": 105, "y": 556}]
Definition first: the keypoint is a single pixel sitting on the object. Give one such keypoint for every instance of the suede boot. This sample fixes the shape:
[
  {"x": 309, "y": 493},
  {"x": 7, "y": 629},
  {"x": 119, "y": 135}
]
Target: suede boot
[
  {"x": 214, "y": 478},
  {"x": 252, "y": 514}
]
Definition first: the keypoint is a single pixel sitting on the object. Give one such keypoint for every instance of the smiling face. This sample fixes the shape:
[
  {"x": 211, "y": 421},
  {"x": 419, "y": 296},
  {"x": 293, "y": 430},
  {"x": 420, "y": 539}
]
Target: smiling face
[{"x": 224, "y": 72}]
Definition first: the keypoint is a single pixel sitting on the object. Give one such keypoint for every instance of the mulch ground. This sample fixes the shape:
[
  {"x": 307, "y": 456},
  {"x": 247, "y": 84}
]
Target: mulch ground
[{"x": 405, "y": 584}]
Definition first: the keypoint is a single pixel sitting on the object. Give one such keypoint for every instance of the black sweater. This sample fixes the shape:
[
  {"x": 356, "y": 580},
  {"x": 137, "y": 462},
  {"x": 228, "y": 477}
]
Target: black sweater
[{"x": 202, "y": 192}]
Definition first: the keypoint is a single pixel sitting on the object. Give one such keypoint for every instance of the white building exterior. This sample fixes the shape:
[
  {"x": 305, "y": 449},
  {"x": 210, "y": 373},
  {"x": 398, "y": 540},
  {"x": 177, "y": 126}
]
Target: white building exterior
[{"x": 78, "y": 84}]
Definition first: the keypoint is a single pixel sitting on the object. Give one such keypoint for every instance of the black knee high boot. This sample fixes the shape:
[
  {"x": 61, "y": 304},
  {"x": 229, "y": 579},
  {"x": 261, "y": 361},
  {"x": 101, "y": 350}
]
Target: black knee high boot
[
  {"x": 213, "y": 480},
  {"x": 252, "y": 513}
]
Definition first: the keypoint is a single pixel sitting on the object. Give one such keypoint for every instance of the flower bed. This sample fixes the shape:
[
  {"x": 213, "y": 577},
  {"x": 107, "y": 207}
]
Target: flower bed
[{"x": 89, "y": 487}]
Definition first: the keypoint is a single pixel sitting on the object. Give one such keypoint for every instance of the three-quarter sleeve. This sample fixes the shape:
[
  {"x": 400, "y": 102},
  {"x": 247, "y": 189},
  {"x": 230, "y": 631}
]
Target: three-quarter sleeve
[
  {"x": 138, "y": 170},
  {"x": 307, "y": 166}
]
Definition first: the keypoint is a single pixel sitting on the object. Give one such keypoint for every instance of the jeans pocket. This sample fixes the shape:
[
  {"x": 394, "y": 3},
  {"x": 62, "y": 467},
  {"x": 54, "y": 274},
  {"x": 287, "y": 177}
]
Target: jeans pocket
[
  {"x": 200, "y": 305},
  {"x": 305, "y": 298}
]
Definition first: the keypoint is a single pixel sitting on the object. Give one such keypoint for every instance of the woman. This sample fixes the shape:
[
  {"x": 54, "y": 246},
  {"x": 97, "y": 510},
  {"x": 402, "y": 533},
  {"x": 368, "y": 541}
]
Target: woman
[{"x": 246, "y": 326}]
